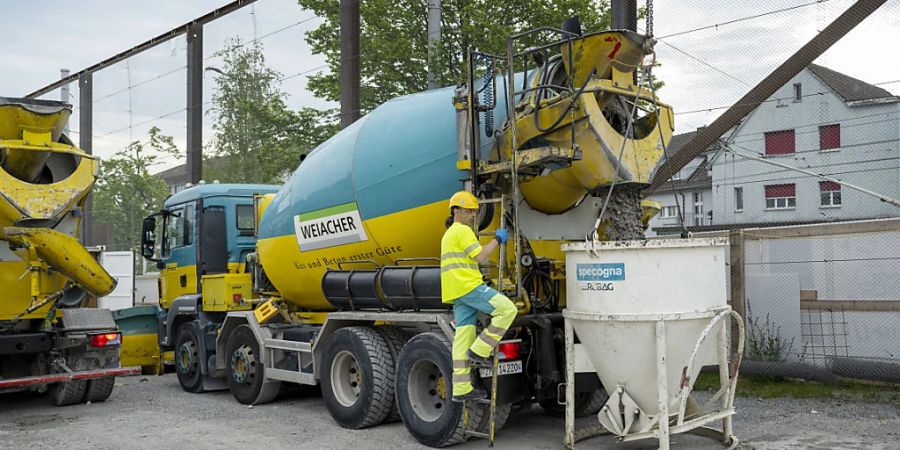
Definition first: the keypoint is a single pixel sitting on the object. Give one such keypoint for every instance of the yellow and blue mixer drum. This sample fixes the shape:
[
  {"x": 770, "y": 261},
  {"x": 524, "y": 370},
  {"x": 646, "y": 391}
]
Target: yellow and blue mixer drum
[{"x": 376, "y": 192}]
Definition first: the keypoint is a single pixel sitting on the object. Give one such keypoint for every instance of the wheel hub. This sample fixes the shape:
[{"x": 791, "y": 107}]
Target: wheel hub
[
  {"x": 428, "y": 390},
  {"x": 185, "y": 357},
  {"x": 242, "y": 364},
  {"x": 346, "y": 378}
]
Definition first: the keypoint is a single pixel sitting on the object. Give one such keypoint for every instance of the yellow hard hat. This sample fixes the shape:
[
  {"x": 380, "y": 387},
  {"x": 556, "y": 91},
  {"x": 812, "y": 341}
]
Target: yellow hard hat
[{"x": 464, "y": 199}]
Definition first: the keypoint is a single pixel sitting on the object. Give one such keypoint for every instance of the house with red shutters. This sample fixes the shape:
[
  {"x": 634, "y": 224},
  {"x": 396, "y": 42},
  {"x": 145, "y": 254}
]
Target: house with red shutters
[{"x": 821, "y": 121}]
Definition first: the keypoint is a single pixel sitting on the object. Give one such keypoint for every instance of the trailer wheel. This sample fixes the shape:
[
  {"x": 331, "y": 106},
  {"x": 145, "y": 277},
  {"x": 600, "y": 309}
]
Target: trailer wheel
[
  {"x": 586, "y": 404},
  {"x": 357, "y": 377},
  {"x": 99, "y": 389},
  {"x": 424, "y": 390},
  {"x": 396, "y": 338},
  {"x": 67, "y": 393},
  {"x": 187, "y": 359},
  {"x": 246, "y": 373}
]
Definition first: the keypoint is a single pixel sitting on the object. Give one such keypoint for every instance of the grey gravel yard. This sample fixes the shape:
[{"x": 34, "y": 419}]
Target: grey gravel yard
[{"x": 153, "y": 412}]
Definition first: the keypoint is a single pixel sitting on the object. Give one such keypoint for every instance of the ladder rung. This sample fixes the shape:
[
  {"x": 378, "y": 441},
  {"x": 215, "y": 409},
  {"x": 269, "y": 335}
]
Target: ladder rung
[
  {"x": 478, "y": 434},
  {"x": 481, "y": 365},
  {"x": 490, "y": 200},
  {"x": 483, "y": 401}
]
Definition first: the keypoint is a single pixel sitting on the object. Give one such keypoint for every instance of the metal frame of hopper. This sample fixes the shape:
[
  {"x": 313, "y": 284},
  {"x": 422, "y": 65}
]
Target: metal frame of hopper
[{"x": 661, "y": 430}]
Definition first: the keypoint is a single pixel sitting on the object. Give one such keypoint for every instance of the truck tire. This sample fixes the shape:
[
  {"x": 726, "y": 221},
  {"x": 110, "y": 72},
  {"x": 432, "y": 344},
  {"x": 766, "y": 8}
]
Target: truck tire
[
  {"x": 67, "y": 393},
  {"x": 357, "y": 377},
  {"x": 246, "y": 373},
  {"x": 99, "y": 389},
  {"x": 396, "y": 338},
  {"x": 424, "y": 390},
  {"x": 501, "y": 415},
  {"x": 187, "y": 359},
  {"x": 586, "y": 404}
]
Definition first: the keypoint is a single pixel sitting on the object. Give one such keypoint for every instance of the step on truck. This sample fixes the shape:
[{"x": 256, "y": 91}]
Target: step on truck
[{"x": 334, "y": 278}]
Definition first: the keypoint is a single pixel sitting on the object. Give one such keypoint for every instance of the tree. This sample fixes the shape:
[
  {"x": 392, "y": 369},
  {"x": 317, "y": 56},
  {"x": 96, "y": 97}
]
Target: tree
[
  {"x": 394, "y": 42},
  {"x": 257, "y": 138},
  {"x": 126, "y": 192}
]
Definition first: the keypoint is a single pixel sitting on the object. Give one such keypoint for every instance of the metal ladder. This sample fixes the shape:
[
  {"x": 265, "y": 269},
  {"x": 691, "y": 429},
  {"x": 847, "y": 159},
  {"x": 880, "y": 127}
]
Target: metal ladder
[{"x": 491, "y": 402}]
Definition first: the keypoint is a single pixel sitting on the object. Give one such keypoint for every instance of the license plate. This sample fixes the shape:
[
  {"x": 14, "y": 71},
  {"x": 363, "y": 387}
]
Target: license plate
[{"x": 505, "y": 368}]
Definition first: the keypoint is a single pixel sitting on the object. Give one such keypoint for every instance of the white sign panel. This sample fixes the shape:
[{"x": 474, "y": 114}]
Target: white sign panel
[{"x": 329, "y": 227}]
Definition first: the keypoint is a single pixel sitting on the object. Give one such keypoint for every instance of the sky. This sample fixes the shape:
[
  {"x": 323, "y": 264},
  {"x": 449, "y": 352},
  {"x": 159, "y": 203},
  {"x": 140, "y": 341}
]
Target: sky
[{"x": 711, "y": 53}]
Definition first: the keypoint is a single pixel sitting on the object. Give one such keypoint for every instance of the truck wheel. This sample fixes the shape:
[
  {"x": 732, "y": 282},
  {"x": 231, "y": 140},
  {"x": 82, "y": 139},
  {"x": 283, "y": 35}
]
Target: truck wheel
[
  {"x": 67, "y": 393},
  {"x": 424, "y": 390},
  {"x": 246, "y": 373},
  {"x": 586, "y": 404},
  {"x": 357, "y": 377},
  {"x": 500, "y": 417},
  {"x": 396, "y": 338},
  {"x": 99, "y": 389},
  {"x": 187, "y": 359}
]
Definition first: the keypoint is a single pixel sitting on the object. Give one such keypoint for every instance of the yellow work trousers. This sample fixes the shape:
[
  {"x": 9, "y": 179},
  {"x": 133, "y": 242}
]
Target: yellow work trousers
[{"x": 465, "y": 311}]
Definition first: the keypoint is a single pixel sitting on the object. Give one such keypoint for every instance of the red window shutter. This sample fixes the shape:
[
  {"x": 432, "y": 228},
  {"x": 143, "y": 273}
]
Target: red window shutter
[
  {"x": 829, "y": 137},
  {"x": 780, "y": 190},
  {"x": 780, "y": 142},
  {"x": 829, "y": 186}
]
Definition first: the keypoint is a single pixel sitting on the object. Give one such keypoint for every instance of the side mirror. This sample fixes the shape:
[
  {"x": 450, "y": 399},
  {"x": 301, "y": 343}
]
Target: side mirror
[{"x": 148, "y": 238}]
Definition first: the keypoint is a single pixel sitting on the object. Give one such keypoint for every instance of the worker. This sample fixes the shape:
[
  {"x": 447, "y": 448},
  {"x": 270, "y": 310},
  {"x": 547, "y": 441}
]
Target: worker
[{"x": 463, "y": 287}]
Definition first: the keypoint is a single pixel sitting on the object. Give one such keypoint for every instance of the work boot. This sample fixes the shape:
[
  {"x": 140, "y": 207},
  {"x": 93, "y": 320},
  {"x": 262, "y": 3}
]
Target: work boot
[
  {"x": 475, "y": 394},
  {"x": 487, "y": 361}
]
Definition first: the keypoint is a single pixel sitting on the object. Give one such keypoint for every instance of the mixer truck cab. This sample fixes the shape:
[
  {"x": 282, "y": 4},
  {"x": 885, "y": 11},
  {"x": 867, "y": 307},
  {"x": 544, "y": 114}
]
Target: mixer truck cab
[{"x": 200, "y": 241}]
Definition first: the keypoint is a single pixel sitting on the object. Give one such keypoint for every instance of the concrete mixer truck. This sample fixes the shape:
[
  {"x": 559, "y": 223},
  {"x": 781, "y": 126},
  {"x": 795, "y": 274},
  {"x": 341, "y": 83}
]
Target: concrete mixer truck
[
  {"x": 47, "y": 341},
  {"x": 334, "y": 277}
]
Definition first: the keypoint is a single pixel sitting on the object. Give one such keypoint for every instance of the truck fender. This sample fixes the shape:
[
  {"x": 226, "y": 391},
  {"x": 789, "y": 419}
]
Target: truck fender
[{"x": 183, "y": 309}]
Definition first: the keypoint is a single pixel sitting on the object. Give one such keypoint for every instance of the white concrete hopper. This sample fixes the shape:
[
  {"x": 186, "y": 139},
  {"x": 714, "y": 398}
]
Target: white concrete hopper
[{"x": 649, "y": 315}]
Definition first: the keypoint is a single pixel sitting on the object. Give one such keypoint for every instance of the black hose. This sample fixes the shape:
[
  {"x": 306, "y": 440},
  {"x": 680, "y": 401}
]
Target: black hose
[
  {"x": 542, "y": 284},
  {"x": 537, "y": 105}
]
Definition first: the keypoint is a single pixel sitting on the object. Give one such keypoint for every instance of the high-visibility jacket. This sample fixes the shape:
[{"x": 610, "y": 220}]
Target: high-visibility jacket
[{"x": 459, "y": 270}]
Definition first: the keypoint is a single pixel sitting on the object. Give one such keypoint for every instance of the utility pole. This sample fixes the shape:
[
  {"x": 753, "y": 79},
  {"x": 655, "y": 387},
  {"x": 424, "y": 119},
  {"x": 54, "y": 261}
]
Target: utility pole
[
  {"x": 434, "y": 43},
  {"x": 624, "y": 14},
  {"x": 85, "y": 142},
  {"x": 349, "y": 62},
  {"x": 64, "y": 94},
  {"x": 195, "y": 104}
]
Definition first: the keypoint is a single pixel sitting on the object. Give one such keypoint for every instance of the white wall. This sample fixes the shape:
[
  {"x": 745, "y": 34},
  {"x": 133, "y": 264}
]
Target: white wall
[{"x": 869, "y": 156}]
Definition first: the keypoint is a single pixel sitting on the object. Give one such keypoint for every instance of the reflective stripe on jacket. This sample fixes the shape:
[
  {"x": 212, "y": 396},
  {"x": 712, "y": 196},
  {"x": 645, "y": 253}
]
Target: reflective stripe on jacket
[{"x": 459, "y": 270}]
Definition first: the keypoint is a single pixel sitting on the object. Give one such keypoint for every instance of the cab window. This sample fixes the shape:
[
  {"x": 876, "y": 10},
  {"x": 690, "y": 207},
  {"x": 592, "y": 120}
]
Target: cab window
[
  {"x": 245, "y": 217},
  {"x": 179, "y": 228}
]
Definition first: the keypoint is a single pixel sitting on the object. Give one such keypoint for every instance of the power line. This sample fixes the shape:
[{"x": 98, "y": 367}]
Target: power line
[
  {"x": 730, "y": 181},
  {"x": 707, "y": 64},
  {"x": 177, "y": 69},
  {"x": 304, "y": 72},
  {"x": 775, "y": 99},
  {"x": 756, "y": 16},
  {"x": 815, "y": 126},
  {"x": 788, "y": 179},
  {"x": 112, "y": 94},
  {"x": 205, "y": 103},
  {"x": 252, "y": 41}
]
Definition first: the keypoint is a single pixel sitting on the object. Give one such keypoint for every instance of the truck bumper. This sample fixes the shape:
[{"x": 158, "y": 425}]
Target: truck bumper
[{"x": 70, "y": 376}]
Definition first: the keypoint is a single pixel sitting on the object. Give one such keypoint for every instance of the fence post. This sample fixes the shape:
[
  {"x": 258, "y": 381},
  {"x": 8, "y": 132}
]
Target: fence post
[{"x": 738, "y": 293}]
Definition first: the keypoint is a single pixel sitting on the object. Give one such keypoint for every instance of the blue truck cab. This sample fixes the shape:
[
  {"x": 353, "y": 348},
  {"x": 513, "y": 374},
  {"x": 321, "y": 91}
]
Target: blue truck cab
[{"x": 200, "y": 241}]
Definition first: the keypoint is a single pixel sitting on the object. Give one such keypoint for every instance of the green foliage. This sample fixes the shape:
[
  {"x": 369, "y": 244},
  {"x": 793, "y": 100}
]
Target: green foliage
[
  {"x": 763, "y": 387},
  {"x": 394, "y": 43},
  {"x": 257, "y": 138},
  {"x": 765, "y": 342},
  {"x": 126, "y": 192}
]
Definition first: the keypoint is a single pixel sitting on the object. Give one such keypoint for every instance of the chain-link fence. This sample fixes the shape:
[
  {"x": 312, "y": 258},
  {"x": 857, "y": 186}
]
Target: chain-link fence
[{"x": 821, "y": 301}]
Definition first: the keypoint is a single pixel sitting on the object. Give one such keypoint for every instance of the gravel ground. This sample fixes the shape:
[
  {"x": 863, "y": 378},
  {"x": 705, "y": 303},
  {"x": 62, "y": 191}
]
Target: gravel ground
[{"x": 153, "y": 412}]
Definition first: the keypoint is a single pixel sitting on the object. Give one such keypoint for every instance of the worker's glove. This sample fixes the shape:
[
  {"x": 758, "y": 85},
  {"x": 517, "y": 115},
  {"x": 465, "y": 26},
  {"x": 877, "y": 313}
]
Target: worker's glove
[{"x": 501, "y": 236}]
